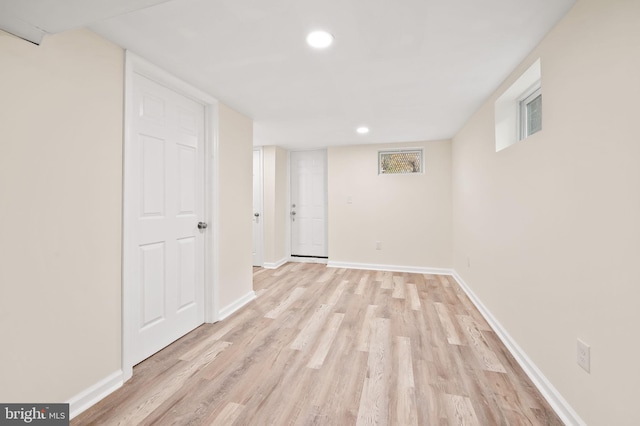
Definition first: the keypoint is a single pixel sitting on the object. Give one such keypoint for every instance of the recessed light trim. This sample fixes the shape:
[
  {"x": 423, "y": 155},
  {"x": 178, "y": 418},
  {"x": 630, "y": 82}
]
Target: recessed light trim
[
  {"x": 319, "y": 39},
  {"x": 362, "y": 130}
]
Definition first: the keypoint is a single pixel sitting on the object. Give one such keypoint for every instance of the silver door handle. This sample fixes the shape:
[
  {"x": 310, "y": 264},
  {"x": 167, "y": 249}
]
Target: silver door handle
[
  {"x": 202, "y": 225},
  {"x": 256, "y": 214}
]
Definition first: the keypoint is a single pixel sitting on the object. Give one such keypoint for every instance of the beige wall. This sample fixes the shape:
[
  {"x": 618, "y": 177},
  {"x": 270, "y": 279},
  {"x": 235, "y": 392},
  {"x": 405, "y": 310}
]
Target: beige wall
[
  {"x": 236, "y": 206},
  {"x": 551, "y": 225},
  {"x": 409, "y": 214},
  {"x": 60, "y": 214},
  {"x": 276, "y": 212}
]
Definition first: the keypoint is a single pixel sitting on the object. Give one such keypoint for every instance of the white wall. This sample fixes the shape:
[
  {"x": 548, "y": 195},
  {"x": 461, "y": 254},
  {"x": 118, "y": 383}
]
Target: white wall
[
  {"x": 236, "y": 206},
  {"x": 409, "y": 214},
  {"x": 60, "y": 214},
  {"x": 551, "y": 225},
  {"x": 276, "y": 212}
]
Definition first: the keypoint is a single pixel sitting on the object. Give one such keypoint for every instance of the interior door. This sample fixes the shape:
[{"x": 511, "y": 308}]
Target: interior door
[
  {"x": 309, "y": 203},
  {"x": 166, "y": 165},
  {"x": 257, "y": 209}
]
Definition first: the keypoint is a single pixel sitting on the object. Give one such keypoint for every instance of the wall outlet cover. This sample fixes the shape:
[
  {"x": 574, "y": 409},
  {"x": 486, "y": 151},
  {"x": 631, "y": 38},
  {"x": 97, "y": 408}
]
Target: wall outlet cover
[{"x": 583, "y": 356}]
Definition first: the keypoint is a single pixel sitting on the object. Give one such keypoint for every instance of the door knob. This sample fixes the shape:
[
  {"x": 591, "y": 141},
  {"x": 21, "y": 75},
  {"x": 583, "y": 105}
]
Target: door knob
[
  {"x": 202, "y": 225},
  {"x": 256, "y": 214},
  {"x": 293, "y": 213}
]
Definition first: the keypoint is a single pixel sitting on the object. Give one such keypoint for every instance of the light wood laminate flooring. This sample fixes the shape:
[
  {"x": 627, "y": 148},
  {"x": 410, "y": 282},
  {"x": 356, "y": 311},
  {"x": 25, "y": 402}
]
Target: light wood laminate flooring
[{"x": 324, "y": 346}]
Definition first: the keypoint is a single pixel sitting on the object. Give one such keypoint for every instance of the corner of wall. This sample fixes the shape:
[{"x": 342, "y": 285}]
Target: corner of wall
[{"x": 549, "y": 392}]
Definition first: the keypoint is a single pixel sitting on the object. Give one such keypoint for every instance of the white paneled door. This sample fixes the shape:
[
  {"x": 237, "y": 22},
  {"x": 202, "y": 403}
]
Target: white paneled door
[
  {"x": 165, "y": 224},
  {"x": 258, "y": 244},
  {"x": 308, "y": 210}
]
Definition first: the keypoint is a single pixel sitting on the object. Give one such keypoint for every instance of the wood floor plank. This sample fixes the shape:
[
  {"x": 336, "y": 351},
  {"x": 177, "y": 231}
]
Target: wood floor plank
[
  {"x": 374, "y": 404},
  {"x": 312, "y": 328},
  {"x": 413, "y": 296},
  {"x": 330, "y": 346},
  {"x": 406, "y": 413},
  {"x": 335, "y": 296},
  {"x": 405, "y": 363},
  {"x": 367, "y": 323},
  {"x": 327, "y": 276},
  {"x": 228, "y": 415},
  {"x": 398, "y": 287},
  {"x": 387, "y": 280},
  {"x": 362, "y": 284},
  {"x": 325, "y": 341},
  {"x": 291, "y": 298},
  {"x": 445, "y": 318},
  {"x": 485, "y": 354},
  {"x": 461, "y": 411}
]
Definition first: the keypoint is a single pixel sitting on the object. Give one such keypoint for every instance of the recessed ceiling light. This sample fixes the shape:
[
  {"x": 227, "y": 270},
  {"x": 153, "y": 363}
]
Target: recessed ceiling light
[
  {"x": 319, "y": 39},
  {"x": 362, "y": 130}
]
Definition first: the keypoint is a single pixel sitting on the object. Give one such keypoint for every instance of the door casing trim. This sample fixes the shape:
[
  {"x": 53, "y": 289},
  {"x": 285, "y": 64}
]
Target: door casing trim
[
  {"x": 326, "y": 206},
  {"x": 135, "y": 64},
  {"x": 260, "y": 231}
]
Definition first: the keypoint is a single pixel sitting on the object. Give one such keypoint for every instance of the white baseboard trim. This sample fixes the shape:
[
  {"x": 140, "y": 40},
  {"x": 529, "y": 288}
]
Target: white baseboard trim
[
  {"x": 308, "y": 259},
  {"x": 275, "y": 265},
  {"x": 391, "y": 268},
  {"x": 232, "y": 307},
  {"x": 548, "y": 391},
  {"x": 93, "y": 394}
]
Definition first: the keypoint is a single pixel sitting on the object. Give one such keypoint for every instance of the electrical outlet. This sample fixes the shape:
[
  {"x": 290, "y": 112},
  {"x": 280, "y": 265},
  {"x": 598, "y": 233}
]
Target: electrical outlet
[
  {"x": 349, "y": 199},
  {"x": 378, "y": 245},
  {"x": 583, "y": 356},
  {"x": 468, "y": 262}
]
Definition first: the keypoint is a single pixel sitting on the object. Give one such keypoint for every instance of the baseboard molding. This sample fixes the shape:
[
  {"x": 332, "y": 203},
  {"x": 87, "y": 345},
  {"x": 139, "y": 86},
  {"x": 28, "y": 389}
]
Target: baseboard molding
[
  {"x": 98, "y": 391},
  {"x": 95, "y": 393},
  {"x": 275, "y": 265},
  {"x": 391, "y": 268},
  {"x": 232, "y": 307},
  {"x": 548, "y": 391},
  {"x": 308, "y": 259}
]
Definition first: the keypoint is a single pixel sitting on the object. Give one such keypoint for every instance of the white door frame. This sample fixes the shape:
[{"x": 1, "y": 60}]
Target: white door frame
[
  {"x": 137, "y": 65},
  {"x": 289, "y": 207},
  {"x": 260, "y": 209}
]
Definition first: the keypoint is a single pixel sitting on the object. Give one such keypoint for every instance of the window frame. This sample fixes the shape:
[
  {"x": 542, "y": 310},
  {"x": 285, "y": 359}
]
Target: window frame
[
  {"x": 419, "y": 151},
  {"x": 507, "y": 106},
  {"x": 527, "y": 97}
]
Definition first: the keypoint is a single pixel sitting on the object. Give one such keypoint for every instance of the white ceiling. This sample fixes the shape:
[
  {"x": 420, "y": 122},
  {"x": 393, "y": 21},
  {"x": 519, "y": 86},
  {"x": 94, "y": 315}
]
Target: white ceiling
[
  {"x": 410, "y": 70},
  {"x": 33, "y": 19}
]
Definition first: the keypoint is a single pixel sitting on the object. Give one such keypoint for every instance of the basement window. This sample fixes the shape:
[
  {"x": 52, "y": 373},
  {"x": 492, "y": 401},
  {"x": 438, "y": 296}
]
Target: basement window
[
  {"x": 400, "y": 161},
  {"x": 518, "y": 112},
  {"x": 531, "y": 112}
]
